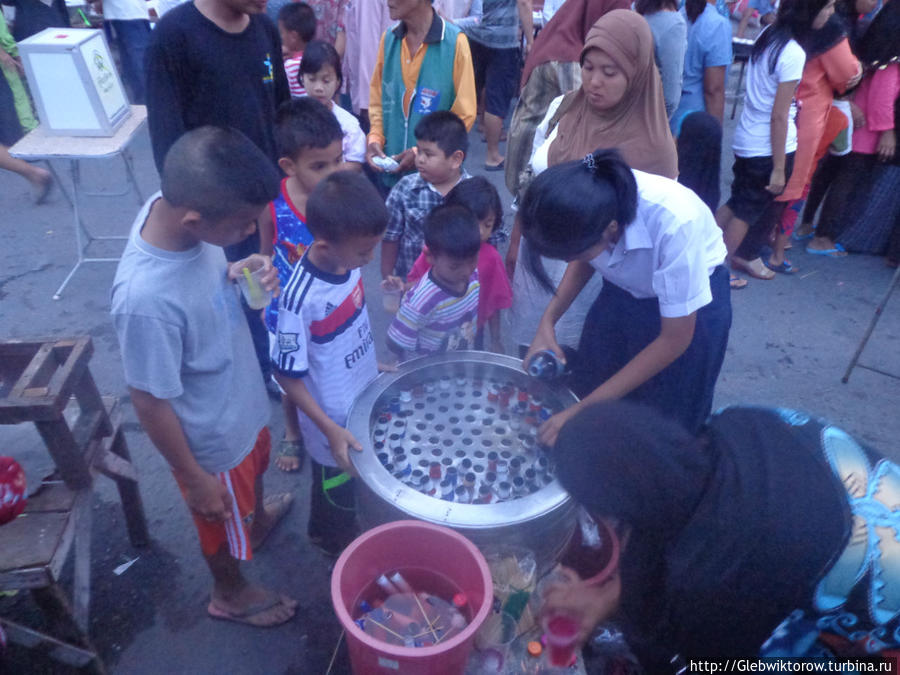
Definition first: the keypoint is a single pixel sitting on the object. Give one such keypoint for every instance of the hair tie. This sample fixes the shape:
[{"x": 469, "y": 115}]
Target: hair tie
[{"x": 590, "y": 163}]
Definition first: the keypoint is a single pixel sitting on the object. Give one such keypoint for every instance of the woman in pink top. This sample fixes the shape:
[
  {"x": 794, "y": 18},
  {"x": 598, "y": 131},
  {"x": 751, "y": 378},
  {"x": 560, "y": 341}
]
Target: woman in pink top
[
  {"x": 862, "y": 208},
  {"x": 830, "y": 68}
]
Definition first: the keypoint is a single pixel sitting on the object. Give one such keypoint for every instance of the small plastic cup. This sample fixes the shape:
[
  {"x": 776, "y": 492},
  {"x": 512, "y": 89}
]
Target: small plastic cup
[
  {"x": 256, "y": 296},
  {"x": 494, "y": 640},
  {"x": 562, "y": 634},
  {"x": 391, "y": 291}
]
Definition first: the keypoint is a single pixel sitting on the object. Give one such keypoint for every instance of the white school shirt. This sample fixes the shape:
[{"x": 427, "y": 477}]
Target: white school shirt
[
  {"x": 354, "y": 143},
  {"x": 752, "y": 137},
  {"x": 669, "y": 251}
]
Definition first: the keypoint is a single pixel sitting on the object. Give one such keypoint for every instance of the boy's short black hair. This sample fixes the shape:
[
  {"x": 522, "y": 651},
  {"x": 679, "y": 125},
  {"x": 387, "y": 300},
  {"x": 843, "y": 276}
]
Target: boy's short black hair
[
  {"x": 452, "y": 231},
  {"x": 304, "y": 123},
  {"x": 216, "y": 171},
  {"x": 480, "y": 197},
  {"x": 446, "y": 129},
  {"x": 300, "y": 18},
  {"x": 345, "y": 205},
  {"x": 316, "y": 56}
]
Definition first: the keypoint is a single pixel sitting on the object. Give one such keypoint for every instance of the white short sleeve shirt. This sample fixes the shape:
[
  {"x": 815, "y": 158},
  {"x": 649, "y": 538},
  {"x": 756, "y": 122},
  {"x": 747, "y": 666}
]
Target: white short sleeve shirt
[
  {"x": 752, "y": 137},
  {"x": 354, "y": 144},
  {"x": 669, "y": 251}
]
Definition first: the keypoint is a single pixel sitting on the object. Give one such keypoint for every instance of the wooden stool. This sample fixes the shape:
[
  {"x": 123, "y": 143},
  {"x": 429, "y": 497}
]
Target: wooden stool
[{"x": 38, "y": 380}]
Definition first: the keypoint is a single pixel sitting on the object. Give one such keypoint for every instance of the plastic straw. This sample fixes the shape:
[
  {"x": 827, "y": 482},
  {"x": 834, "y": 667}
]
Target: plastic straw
[
  {"x": 425, "y": 616},
  {"x": 84, "y": 18},
  {"x": 381, "y": 625}
]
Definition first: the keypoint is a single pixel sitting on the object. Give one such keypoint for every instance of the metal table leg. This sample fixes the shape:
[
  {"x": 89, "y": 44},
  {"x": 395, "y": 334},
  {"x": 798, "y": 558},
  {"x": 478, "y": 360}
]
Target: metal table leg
[{"x": 83, "y": 237}]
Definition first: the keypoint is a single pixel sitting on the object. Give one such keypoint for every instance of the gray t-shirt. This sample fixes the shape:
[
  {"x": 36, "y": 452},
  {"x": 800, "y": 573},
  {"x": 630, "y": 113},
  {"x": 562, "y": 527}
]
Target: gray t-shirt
[
  {"x": 670, "y": 42},
  {"x": 184, "y": 338},
  {"x": 499, "y": 26}
]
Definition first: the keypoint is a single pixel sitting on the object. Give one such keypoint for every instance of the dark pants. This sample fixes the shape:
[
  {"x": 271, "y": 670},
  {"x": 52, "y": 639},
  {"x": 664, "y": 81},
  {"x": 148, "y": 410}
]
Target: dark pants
[
  {"x": 131, "y": 39},
  {"x": 824, "y": 176},
  {"x": 849, "y": 184},
  {"x": 496, "y": 76},
  {"x": 618, "y": 326},
  {"x": 332, "y": 508}
]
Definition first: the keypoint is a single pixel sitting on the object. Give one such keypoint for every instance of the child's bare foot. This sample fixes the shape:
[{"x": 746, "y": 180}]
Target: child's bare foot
[
  {"x": 274, "y": 508},
  {"x": 253, "y": 605},
  {"x": 290, "y": 455}
]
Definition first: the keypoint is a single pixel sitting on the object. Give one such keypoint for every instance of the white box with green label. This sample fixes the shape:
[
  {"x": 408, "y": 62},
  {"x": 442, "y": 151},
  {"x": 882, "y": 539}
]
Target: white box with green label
[{"x": 74, "y": 82}]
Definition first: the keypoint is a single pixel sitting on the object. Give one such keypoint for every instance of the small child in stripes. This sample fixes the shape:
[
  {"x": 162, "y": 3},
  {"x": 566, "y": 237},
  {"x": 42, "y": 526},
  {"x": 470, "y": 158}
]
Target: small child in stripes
[{"x": 440, "y": 312}]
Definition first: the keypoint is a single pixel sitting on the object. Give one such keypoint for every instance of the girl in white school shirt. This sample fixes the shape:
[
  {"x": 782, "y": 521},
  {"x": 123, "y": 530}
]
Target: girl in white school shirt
[{"x": 658, "y": 329}]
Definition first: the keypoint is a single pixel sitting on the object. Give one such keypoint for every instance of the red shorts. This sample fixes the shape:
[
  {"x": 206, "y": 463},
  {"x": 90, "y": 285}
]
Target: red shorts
[{"x": 240, "y": 483}]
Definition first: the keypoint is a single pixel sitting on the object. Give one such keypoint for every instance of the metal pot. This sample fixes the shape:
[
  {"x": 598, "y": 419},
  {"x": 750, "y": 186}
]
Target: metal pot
[{"x": 542, "y": 521}]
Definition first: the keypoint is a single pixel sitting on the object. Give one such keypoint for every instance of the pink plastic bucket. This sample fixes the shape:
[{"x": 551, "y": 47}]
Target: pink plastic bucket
[{"x": 410, "y": 543}]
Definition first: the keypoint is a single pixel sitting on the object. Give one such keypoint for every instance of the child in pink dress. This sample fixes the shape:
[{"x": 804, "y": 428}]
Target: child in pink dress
[{"x": 481, "y": 198}]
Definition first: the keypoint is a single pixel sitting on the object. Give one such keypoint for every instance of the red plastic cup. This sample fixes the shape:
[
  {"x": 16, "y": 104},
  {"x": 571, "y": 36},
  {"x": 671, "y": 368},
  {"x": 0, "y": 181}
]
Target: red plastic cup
[{"x": 562, "y": 633}]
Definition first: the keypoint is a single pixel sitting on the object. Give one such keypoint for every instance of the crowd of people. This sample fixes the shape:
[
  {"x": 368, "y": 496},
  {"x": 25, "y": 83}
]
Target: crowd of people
[{"x": 299, "y": 137}]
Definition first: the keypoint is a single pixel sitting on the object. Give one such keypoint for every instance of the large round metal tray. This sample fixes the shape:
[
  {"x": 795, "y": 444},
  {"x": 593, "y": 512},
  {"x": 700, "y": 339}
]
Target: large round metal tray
[{"x": 542, "y": 520}]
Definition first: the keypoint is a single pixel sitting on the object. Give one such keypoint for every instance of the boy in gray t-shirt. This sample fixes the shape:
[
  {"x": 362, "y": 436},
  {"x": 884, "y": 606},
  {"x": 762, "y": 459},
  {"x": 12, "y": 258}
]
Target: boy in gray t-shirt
[{"x": 188, "y": 356}]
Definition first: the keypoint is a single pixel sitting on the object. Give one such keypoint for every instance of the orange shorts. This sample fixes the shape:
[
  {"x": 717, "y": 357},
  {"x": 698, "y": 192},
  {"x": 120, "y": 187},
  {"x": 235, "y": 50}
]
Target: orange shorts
[{"x": 240, "y": 483}]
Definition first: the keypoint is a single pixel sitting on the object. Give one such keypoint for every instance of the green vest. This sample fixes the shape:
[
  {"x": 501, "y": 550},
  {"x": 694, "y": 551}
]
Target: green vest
[{"x": 435, "y": 89}]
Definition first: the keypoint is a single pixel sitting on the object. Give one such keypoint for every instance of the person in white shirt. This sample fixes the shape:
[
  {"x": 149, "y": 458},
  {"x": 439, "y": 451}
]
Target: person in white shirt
[
  {"x": 766, "y": 137},
  {"x": 658, "y": 330},
  {"x": 127, "y": 26},
  {"x": 550, "y": 8}
]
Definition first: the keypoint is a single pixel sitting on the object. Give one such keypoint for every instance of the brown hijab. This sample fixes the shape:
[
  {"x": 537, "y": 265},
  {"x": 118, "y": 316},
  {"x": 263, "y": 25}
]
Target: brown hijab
[
  {"x": 563, "y": 37},
  {"x": 637, "y": 126}
]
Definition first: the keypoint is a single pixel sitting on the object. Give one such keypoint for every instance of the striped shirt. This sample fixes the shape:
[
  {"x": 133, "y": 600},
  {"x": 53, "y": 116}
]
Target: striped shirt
[
  {"x": 432, "y": 319},
  {"x": 499, "y": 25},
  {"x": 292, "y": 70},
  {"x": 324, "y": 336}
]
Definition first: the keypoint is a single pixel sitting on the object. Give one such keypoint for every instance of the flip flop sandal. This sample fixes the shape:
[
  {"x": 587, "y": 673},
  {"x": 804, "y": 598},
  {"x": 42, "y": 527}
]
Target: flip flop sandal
[
  {"x": 736, "y": 282},
  {"x": 246, "y": 614},
  {"x": 292, "y": 449},
  {"x": 837, "y": 252},
  {"x": 784, "y": 268},
  {"x": 756, "y": 268}
]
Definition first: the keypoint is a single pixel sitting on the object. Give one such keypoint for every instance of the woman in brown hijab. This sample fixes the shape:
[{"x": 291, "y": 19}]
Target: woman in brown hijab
[
  {"x": 551, "y": 70},
  {"x": 619, "y": 105}
]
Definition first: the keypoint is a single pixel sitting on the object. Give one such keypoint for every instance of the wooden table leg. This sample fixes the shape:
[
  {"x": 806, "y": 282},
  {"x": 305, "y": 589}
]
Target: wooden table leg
[
  {"x": 65, "y": 452},
  {"x": 58, "y": 610},
  {"x": 81, "y": 592},
  {"x": 130, "y": 495}
]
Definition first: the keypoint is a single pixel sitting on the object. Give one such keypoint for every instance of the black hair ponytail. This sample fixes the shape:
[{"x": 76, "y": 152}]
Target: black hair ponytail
[
  {"x": 693, "y": 9},
  {"x": 568, "y": 207},
  {"x": 793, "y": 22}
]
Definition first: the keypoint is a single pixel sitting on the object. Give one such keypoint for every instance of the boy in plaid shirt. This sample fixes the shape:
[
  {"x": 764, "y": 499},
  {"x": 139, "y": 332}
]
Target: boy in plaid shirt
[{"x": 441, "y": 146}]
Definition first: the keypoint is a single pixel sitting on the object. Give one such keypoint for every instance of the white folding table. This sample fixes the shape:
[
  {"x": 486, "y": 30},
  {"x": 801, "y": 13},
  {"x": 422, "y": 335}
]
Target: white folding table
[{"x": 38, "y": 145}]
